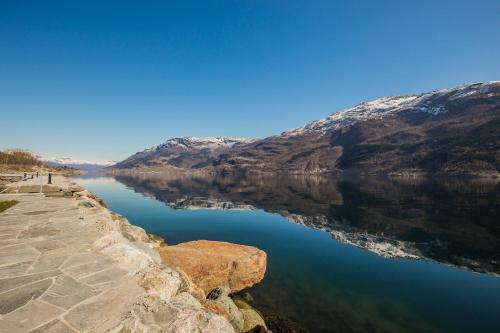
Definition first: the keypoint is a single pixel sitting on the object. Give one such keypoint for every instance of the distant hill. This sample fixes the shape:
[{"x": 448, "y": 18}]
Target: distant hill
[
  {"x": 75, "y": 163},
  {"x": 449, "y": 131}
]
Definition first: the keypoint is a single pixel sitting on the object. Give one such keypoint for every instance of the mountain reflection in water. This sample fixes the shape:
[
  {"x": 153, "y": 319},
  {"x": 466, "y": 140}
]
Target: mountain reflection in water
[
  {"x": 315, "y": 278},
  {"x": 449, "y": 221}
]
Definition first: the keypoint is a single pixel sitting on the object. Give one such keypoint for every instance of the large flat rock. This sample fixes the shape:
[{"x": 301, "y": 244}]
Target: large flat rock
[{"x": 211, "y": 264}]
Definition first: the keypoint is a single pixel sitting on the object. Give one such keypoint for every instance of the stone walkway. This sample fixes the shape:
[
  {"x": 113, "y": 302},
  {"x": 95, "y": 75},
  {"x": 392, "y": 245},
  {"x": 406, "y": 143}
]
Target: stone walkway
[
  {"x": 53, "y": 277},
  {"x": 48, "y": 272}
]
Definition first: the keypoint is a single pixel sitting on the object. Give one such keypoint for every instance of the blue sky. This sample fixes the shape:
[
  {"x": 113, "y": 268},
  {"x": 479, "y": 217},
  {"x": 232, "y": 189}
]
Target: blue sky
[{"x": 101, "y": 80}]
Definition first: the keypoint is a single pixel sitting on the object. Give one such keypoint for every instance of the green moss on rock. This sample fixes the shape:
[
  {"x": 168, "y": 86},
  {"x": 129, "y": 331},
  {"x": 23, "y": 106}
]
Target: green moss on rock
[{"x": 4, "y": 205}]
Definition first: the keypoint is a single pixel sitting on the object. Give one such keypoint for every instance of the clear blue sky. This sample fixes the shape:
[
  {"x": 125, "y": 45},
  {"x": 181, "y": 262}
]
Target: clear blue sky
[{"x": 100, "y": 79}]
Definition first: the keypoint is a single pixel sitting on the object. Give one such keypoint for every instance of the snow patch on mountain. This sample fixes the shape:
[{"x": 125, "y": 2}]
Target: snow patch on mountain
[
  {"x": 182, "y": 147},
  {"x": 378, "y": 244},
  {"x": 75, "y": 163},
  {"x": 207, "y": 204},
  {"x": 201, "y": 143},
  {"x": 362, "y": 112},
  {"x": 427, "y": 102},
  {"x": 69, "y": 160}
]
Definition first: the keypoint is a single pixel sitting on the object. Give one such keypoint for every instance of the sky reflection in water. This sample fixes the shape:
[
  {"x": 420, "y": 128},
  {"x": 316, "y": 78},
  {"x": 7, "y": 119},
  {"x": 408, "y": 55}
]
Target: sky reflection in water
[{"x": 325, "y": 285}]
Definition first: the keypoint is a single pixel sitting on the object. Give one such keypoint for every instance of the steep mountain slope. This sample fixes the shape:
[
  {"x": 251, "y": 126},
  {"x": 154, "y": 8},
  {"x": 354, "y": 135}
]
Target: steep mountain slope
[
  {"x": 447, "y": 131},
  {"x": 184, "y": 153},
  {"x": 452, "y": 131}
]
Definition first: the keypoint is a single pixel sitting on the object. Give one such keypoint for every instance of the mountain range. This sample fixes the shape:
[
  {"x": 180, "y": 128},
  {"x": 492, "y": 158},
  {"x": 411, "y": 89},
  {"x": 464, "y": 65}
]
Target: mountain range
[
  {"x": 75, "y": 163},
  {"x": 449, "y": 131}
]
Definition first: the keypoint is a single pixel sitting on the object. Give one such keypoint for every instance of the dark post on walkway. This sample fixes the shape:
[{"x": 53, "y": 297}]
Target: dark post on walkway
[{"x": 50, "y": 178}]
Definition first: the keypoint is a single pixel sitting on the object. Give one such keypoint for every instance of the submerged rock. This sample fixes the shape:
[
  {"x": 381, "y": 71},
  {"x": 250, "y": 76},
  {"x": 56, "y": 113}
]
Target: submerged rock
[
  {"x": 258, "y": 329},
  {"x": 211, "y": 264},
  {"x": 252, "y": 321},
  {"x": 277, "y": 324}
]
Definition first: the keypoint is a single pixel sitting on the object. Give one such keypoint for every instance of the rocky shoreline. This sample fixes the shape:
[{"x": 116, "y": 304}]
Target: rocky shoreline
[{"x": 70, "y": 264}]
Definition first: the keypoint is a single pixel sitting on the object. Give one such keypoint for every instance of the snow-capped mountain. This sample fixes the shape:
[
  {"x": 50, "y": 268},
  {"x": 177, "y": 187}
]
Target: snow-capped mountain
[
  {"x": 75, "y": 163},
  {"x": 202, "y": 143},
  {"x": 386, "y": 106},
  {"x": 182, "y": 152},
  {"x": 451, "y": 131}
]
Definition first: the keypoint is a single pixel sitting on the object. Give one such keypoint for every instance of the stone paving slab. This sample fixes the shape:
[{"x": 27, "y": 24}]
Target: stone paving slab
[
  {"x": 16, "y": 269},
  {"x": 28, "y": 317},
  {"x": 18, "y": 281},
  {"x": 15, "y": 298},
  {"x": 99, "y": 313},
  {"x": 55, "y": 326},
  {"x": 66, "y": 292}
]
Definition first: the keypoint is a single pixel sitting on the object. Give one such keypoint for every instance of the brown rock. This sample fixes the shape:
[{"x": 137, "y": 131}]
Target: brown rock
[{"x": 210, "y": 264}]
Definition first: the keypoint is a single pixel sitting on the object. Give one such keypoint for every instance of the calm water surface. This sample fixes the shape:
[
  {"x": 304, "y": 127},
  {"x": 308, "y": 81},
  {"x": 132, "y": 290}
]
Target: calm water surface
[{"x": 322, "y": 237}]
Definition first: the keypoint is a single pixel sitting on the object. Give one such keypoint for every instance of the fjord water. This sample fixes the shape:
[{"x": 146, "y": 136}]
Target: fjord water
[{"x": 327, "y": 285}]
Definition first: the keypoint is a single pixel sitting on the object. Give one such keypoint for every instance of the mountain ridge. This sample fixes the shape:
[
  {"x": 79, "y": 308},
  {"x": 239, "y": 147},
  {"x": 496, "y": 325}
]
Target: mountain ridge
[
  {"x": 391, "y": 104},
  {"x": 447, "y": 131},
  {"x": 181, "y": 152},
  {"x": 75, "y": 163}
]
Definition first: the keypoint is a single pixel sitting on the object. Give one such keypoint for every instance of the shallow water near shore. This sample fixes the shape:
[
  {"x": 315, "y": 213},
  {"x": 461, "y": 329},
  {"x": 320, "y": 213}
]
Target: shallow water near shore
[{"x": 326, "y": 240}]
